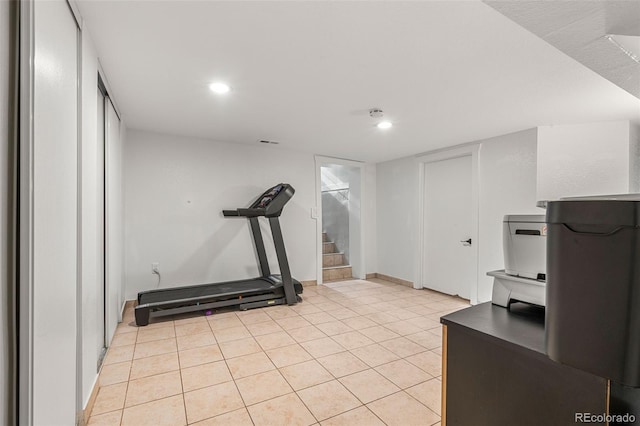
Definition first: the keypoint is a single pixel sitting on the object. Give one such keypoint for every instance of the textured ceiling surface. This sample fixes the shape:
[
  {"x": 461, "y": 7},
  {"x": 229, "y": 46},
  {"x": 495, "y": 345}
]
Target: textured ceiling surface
[
  {"x": 579, "y": 29},
  {"x": 305, "y": 73}
]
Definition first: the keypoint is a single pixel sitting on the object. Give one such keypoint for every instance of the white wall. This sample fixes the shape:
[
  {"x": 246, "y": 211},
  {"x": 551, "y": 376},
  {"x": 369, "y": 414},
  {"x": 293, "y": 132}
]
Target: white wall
[
  {"x": 356, "y": 214},
  {"x": 175, "y": 190},
  {"x": 507, "y": 176},
  {"x": 369, "y": 218},
  {"x": 585, "y": 159},
  {"x": 7, "y": 146},
  {"x": 507, "y": 185},
  {"x": 397, "y": 217},
  {"x": 55, "y": 215}
]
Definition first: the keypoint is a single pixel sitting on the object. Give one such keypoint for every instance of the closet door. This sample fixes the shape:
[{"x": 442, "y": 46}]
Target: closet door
[
  {"x": 48, "y": 235},
  {"x": 114, "y": 224}
]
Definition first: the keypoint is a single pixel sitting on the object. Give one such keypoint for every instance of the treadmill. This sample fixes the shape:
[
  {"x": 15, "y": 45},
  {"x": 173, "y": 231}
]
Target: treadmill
[{"x": 266, "y": 290}]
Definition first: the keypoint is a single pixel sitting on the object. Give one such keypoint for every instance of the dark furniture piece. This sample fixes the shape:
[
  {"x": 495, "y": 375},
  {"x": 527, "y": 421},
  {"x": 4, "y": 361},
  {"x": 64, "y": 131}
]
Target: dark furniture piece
[
  {"x": 593, "y": 286},
  {"x": 266, "y": 290},
  {"x": 496, "y": 372}
]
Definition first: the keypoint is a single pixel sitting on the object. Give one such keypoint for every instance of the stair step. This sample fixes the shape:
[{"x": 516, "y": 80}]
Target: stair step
[
  {"x": 337, "y": 267},
  {"x": 328, "y": 248},
  {"x": 332, "y": 259},
  {"x": 336, "y": 273},
  {"x": 325, "y": 237}
]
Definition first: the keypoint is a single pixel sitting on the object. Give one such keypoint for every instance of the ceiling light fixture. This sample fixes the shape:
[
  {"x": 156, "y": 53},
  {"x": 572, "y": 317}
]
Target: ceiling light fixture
[
  {"x": 378, "y": 113},
  {"x": 219, "y": 88}
]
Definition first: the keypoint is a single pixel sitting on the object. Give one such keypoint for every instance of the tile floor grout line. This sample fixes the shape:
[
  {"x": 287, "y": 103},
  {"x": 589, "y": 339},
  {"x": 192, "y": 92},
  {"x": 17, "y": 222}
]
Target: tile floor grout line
[
  {"x": 353, "y": 409},
  {"x": 142, "y": 403},
  {"x": 337, "y": 297},
  {"x": 306, "y": 406},
  {"x": 184, "y": 401},
  {"x": 124, "y": 403},
  {"x": 239, "y": 393},
  {"x": 420, "y": 402}
]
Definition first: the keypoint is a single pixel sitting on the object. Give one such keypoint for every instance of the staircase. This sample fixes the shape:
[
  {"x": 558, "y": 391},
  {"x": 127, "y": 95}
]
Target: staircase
[{"x": 333, "y": 265}]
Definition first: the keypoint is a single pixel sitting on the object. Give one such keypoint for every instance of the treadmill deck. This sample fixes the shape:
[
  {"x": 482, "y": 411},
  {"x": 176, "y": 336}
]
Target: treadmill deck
[{"x": 246, "y": 293}]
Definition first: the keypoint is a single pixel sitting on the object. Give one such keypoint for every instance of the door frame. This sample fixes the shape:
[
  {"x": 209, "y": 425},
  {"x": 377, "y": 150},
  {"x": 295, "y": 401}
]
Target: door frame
[
  {"x": 473, "y": 151},
  {"x": 322, "y": 161}
]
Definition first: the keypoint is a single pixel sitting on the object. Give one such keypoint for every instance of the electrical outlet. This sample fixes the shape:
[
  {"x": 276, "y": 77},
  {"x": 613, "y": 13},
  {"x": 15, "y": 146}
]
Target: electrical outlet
[{"x": 155, "y": 268}]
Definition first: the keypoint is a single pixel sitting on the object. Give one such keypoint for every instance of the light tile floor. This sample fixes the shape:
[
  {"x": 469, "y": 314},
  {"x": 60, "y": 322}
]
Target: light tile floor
[{"x": 353, "y": 353}]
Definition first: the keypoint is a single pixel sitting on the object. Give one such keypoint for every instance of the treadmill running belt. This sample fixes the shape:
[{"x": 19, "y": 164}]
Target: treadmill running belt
[{"x": 231, "y": 288}]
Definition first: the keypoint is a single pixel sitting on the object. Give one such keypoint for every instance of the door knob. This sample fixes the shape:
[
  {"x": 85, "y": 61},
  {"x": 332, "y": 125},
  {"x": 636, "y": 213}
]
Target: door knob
[{"x": 466, "y": 241}]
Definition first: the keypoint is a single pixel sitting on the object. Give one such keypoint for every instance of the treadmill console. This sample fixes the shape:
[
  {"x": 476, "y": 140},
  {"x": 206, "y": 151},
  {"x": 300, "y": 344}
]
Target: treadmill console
[
  {"x": 269, "y": 204},
  {"x": 265, "y": 199}
]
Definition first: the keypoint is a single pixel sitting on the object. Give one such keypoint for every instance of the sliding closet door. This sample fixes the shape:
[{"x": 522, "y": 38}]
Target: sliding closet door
[
  {"x": 114, "y": 224},
  {"x": 101, "y": 291},
  {"x": 48, "y": 214}
]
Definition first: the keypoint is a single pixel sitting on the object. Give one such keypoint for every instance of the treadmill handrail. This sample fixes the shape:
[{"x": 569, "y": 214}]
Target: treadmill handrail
[{"x": 244, "y": 212}]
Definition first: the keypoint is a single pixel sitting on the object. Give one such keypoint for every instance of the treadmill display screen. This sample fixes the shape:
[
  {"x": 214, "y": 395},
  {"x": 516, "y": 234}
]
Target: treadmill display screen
[{"x": 269, "y": 196}]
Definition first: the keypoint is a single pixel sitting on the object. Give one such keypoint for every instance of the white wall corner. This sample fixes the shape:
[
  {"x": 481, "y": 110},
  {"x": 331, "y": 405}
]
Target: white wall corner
[
  {"x": 584, "y": 159},
  {"x": 371, "y": 218}
]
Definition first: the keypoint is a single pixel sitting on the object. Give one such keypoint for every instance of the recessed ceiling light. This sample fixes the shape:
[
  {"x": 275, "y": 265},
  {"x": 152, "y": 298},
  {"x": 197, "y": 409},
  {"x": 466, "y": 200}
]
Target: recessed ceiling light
[
  {"x": 219, "y": 88},
  {"x": 384, "y": 125}
]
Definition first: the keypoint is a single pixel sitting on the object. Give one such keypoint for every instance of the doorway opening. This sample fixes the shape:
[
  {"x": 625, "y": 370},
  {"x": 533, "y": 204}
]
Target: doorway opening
[{"x": 340, "y": 219}]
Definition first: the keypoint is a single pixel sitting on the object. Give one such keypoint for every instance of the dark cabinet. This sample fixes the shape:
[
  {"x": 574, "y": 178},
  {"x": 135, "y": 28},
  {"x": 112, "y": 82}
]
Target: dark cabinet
[{"x": 496, "y": 372}]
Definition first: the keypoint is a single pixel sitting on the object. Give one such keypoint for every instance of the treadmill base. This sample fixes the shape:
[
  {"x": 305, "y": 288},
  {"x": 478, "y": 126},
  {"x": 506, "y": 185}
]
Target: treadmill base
[{"x": 143, "y": 313}]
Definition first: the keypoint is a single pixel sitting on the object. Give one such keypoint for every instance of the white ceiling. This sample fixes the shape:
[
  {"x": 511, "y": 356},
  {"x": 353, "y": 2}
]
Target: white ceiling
[
  {"x": 306, "y": 73},
  {"x": 580, "y": 29}
]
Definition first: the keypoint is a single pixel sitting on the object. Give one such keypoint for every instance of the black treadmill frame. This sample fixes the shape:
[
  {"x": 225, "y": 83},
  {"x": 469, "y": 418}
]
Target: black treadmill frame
[{"x": 266, "y": 296}]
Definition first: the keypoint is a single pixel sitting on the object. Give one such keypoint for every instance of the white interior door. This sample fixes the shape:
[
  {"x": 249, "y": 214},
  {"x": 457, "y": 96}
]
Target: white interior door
[{"x": 449, "y": 263}]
